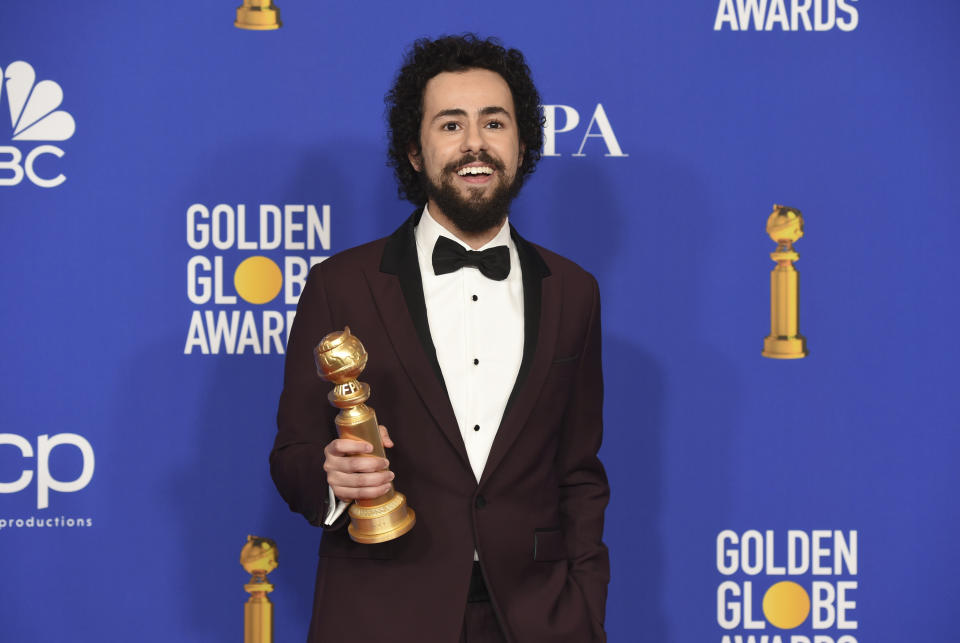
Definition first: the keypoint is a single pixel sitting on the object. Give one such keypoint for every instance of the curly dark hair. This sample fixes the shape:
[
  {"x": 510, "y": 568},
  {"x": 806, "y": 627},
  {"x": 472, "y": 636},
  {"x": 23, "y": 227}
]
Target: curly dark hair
[{"x": 425, "y": 59}]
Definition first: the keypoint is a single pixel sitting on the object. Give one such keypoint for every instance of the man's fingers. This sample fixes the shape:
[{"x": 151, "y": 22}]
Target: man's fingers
[
  {"x": 344, "y": 446},
  {"x": 359, "y": 493},
  {"x": 359, "y": 480},
  {"x": 348, "y": 464},
  {"x": 353, "y": 473},
  {"x": 385, "y": 437}
]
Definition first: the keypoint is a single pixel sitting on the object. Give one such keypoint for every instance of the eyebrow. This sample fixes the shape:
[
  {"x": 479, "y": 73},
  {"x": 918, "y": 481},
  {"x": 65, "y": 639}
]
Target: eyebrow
[{"x": 486, "y": 111}]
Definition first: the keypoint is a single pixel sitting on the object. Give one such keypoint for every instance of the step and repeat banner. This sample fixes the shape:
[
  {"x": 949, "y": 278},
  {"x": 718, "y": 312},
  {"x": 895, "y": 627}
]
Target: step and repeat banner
[{"x": 167, "y": 180}]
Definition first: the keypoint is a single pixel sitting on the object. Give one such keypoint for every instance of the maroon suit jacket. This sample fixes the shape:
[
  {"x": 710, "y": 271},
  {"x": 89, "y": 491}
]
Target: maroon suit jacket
[{"x": 536, "y": 516}]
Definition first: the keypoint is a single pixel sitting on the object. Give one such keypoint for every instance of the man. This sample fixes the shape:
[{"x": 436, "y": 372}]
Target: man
[{"x": 486, "y": 368}]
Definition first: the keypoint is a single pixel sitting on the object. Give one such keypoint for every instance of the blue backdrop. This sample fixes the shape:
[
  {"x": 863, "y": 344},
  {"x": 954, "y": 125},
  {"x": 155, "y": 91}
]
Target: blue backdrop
[{"x": 133, "y": 460}]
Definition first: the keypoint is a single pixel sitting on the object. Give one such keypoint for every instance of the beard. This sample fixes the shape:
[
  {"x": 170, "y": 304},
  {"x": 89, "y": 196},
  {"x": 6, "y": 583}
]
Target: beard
[{"x": 474, "y": 213}]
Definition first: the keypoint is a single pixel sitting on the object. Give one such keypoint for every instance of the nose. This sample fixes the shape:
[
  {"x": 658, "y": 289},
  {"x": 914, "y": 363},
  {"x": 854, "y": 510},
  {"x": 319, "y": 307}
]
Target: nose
[{"x": 473, "y": 140}]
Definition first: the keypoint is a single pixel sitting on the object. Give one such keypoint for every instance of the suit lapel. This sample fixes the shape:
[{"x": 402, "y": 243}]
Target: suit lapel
[
  {"x": 541, "y": 323},
  {"x": 533, "y": 271},
  {"x": 398, "y": 294}
]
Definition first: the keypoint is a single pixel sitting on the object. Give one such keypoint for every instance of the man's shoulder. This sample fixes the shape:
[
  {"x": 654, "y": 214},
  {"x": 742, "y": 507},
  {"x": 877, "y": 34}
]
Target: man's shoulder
[
  {"x": 382, "y": 253},
  {"x": 362, "y": 257},
  {"x": 573, "y": 275}
]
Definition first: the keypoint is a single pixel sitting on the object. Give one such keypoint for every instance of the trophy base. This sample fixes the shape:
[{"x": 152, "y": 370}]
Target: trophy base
[
  {"x": 785, "y": 347},
  {"x": 380, "y": 523},
  {"x": 257, "y": 19}
]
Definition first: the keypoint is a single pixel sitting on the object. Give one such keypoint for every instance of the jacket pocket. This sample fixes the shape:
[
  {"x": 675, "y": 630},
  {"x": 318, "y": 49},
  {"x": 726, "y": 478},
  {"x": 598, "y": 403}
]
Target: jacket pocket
[{"x": 548, "y": 544}]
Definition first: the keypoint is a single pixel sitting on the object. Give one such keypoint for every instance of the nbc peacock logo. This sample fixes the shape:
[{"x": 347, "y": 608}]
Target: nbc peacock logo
[{"x": 34, "y": 116}]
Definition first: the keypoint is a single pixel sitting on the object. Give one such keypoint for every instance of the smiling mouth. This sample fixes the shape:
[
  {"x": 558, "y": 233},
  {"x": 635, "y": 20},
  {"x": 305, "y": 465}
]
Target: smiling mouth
[{"x": 475, "y": 170}]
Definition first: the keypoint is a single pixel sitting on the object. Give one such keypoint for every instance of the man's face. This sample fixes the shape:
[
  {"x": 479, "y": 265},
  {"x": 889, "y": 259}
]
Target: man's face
[{"x": 470, "y": 148}]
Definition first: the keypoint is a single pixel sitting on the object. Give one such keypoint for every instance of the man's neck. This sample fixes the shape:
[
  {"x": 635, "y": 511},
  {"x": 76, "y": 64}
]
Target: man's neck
[{"x": 475, "y": 240}]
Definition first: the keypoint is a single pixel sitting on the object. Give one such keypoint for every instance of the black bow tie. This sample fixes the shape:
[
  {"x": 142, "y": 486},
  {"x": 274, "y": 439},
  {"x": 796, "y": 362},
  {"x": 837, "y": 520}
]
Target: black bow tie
[{"x": 449, "y": 256}]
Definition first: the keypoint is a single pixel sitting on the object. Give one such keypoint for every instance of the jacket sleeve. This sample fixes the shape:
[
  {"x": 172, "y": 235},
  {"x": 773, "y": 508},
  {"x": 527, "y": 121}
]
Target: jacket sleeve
[
  {"x": 584, "y": 491},
  {"x": 305, "y": 419}
]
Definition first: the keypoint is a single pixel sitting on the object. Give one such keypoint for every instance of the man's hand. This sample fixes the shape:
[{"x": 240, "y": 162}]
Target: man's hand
[{"x": 353, "y": 478}]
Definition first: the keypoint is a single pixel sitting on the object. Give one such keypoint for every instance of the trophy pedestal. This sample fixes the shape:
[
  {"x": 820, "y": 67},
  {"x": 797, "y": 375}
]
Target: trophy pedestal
[
  {"x": 379, "y": 523},
  {"x": 785, "y": 347},
  {"x": 259, "y": 558},
  {"x": 784, "y": 226}
]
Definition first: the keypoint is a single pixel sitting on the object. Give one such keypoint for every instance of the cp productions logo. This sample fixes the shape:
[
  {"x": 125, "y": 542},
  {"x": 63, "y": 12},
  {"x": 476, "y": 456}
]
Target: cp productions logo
[
  {"x": 235, "y": 287},
  {"x": 46, "y": 482},
  {"x": 800, "y": 581},
  {"x": 33, "y": 117},
  {"x": 597, "y": 127},
  {"x": 786, "y": 15}
]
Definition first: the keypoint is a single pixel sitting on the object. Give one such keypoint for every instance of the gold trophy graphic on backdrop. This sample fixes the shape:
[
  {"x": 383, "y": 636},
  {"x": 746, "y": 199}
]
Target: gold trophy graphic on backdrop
[
  {"x": 259, "y": 558},
  {"x": 340, "y": 359},
  {"x": 258, "y": 15},
  {"x": 785, "y": 226}
]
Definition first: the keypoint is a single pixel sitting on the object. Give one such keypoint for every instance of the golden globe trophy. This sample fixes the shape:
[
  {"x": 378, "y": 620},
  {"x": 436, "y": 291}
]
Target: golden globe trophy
[
  {"x": 340, "y": 359},
  {"x": 259, "y": 558},
  {"x": 785, "y": 226}
]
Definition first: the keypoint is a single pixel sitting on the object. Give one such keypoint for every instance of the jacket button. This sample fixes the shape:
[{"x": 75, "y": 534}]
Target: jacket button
[{"x": 480, "y": 502}]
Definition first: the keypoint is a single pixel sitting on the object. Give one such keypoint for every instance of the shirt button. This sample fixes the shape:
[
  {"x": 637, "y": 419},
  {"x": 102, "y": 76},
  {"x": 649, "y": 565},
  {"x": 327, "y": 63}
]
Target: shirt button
[
  {"x": 476, "y": 427},
  {"x": 474, "y": 297},
  {"x": 475, "y": 362},
  {"x": 480, "y": 502}
]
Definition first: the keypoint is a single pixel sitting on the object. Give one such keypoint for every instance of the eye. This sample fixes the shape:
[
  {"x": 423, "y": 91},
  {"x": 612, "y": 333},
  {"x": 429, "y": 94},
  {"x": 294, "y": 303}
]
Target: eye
[
  {"x": 494, "y": 125},
  {"x": 450, "y": 126}
]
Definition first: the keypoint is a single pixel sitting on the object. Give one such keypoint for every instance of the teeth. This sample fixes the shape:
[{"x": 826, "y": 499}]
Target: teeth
[{"x": 464, "y": 171}]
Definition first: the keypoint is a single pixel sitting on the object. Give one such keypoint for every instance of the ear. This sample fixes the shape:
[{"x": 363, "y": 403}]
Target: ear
[
  {"x": 523, "y": 150},
  {"x": 413, "y": 154}
]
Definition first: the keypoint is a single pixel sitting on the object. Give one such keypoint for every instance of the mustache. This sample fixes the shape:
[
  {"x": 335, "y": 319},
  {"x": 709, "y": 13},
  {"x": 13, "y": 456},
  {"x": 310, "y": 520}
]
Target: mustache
[{"x": 482, "y": 157}]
